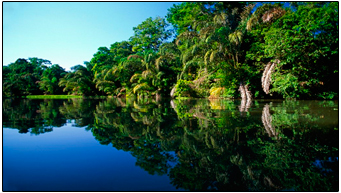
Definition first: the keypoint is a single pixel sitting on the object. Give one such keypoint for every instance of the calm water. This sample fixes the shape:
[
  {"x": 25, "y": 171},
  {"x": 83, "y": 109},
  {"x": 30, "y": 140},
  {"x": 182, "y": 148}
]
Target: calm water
[{"x": 179, "y": 145}]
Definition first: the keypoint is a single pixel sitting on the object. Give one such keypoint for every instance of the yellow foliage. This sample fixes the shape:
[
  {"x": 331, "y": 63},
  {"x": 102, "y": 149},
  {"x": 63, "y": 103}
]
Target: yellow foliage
[
  {"x": 216, "y": 92},
  {"x": 207, "y": 56},
  {"x": 147, "y": 73},
  {"x": 134, "y": 77},
  {"x": 216, "y": 104},
  {"x": 139, "y": 108}
]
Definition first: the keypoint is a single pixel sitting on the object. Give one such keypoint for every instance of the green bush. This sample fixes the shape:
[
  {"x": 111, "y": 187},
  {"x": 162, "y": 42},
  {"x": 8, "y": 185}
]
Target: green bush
[{"x": 183, "y": 89}]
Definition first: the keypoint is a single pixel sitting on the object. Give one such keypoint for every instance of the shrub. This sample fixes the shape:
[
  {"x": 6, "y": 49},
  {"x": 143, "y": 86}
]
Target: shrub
[{"x": 183, "y": 88}]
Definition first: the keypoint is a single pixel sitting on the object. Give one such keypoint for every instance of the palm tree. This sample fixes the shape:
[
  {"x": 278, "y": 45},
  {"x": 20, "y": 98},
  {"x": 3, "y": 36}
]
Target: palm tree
[
  {"x": 217, "y": 40},
  {"x": 266, "y": 13},
  {"x": 106, "y": 80},
  {"x": 78, "y": 82},
  {"x": 150, "y": 79}
]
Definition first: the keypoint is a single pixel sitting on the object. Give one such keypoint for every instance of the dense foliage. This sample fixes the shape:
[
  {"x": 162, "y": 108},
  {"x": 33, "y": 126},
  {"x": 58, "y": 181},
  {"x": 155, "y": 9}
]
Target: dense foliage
[{"x": 205, "y": 49}]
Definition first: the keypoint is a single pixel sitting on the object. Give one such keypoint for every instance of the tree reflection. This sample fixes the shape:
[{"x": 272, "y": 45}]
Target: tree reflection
[
  {"x": 206, "y": 144},
  {"x": 80, "y": 110},
  {"x": 267, "y": 122},
  {"x": 49, "y": 111},
  {"x": 25, "y": 115},
  {"x": 219, "y": 149}
]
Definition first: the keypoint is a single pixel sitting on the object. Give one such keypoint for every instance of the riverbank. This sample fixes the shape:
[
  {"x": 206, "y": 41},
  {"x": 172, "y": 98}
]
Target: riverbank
[{"x": 53, "y": 96}]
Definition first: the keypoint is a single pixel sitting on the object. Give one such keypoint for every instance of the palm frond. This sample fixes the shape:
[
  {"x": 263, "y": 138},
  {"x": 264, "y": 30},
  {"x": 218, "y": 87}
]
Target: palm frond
[
  {"x": 221, "y": 19},
  {"x": 213, "y": 55},
  {"x": 158, "y": 62},
  {"x": 195, "y": 49},
  {"x": 187, "y": 35},
  {"x": 273, "y": 13},
  {"x": 236, "y": 37},
  {"x": 247, "y": 11},
  {"x": 114, "y": 69},
  {"x": 135, "y": 56},
  {"x": 186, "y": 56},
  {"x": 135, "y": 77},
  {"x": 147, "y": 73},
  {"x": 160, "y": 74},
  {"x": 206, "y": 57},
  {"x": 186, "y": 66},
  {"x": 251, "y": 22},
  {"x": 142, "y": 86}
]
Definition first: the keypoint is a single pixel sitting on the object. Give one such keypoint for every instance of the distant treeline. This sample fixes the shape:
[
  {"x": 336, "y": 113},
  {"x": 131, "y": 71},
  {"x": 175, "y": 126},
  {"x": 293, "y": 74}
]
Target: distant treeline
[{"x": 220, "y": 50}]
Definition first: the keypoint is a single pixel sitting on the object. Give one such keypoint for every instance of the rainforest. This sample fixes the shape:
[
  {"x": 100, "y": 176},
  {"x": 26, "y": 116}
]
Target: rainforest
[
  {"x": 215, "y": 96},
  {"x": 204, "y": 50}
]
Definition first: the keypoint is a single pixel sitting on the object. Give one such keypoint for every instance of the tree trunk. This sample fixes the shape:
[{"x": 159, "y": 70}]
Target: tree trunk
[
  {"x": 244, "y": 91},
  {"x": 246, "y": 97},
  {"x": 172, "y": 92},
  {"x": 266, "y": 78}
]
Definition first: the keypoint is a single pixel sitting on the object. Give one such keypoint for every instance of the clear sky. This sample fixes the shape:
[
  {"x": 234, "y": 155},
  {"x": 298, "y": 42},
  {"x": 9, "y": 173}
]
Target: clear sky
[{"x": 69, "y": 33}]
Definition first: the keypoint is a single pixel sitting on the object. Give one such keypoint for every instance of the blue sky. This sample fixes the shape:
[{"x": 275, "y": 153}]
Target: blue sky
[{"x": 69, "y": 33}]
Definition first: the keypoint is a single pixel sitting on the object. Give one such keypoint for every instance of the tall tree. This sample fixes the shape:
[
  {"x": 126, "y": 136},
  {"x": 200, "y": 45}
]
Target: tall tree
[
  {"x": 150, "y": 34},
  {"x": 107, "y": 67},
  {"x": 79, "y": 81},
  {"x": 303, "y": 40},
  {"x": 212, "y": 44},
  {"x": 50, "y": 79},
  {"x": 23, "y": 75}
]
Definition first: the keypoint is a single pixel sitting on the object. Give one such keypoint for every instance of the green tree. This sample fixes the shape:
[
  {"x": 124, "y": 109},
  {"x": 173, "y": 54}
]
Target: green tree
[
  {"x": 103, "y": 58},
  {"x": 79, "y": 81},
  {"x": 303, "y": 40},
  {"x": 22, "y": 76},
  {"x": 212, "y": 46},
  {"x": 108, "y": 67},
  {"x": 150, "y": 34},
  {"x": 182, "y": 16},
  {"x": 50, "y": 79}
]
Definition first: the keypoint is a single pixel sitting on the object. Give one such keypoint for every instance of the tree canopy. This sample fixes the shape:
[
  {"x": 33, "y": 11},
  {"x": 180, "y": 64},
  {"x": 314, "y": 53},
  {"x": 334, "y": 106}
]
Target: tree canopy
[{"x": 205, "y": 49}]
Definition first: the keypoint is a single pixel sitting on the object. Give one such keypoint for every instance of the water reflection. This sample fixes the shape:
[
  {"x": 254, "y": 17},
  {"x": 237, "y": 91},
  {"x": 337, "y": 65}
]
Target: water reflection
[
  {"x": 205, "y": 144},
  {"x": 267, "y": 122}
]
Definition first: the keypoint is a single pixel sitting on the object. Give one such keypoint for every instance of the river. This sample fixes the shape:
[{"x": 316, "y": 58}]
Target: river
[{"x": 170, "y": 145}]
